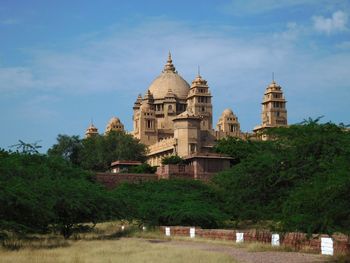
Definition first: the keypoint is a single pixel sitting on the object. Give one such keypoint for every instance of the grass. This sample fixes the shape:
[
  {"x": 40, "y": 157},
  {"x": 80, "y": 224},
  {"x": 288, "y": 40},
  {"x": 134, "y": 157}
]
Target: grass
[
  {"x": 249, "y": 246},
  {"x": 106, "y": 243},
  {"x": 122, "y": 250},
  {"x": 339, "y": 259}
]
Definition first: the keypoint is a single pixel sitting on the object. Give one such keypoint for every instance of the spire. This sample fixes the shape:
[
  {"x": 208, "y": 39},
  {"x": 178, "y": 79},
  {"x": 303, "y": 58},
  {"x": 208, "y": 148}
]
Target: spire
[
  {"x": 169, "y": 66},
  {"x": 273, "y": 77},
  {"x": 199, "y": 71}
]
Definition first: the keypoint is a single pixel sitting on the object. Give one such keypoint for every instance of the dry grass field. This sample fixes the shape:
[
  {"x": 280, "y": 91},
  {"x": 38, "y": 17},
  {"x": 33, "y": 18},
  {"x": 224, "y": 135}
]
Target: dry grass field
[
  {"x": 121, "y": 250},
  {"x": 107, "y": 243}
]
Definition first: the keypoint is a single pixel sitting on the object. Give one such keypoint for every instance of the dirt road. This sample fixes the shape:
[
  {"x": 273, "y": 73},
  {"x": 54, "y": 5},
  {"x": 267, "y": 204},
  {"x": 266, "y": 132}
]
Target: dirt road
[{"x": 244, "y": 256}]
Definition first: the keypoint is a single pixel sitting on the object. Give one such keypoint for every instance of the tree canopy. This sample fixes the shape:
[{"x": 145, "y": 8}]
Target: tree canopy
[
  {"x": 38, "y": 193},
  {"x": 300, "y": 178},
  {"x": 98, "y": 152}
]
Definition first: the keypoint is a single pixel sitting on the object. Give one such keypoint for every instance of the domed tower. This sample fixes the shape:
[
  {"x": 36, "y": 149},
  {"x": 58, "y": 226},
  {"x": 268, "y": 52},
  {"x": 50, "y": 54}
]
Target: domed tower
[
  {"x": 199, "y": 102},
  {"x": 228, "y": 123},
  {"x": 169, "y": 92},
  {"x": 114, "y": 124},
  {"x": 166, "y": 96},
  {"x": 91, "y": 131},
  {"x": 274, "y": 112}
]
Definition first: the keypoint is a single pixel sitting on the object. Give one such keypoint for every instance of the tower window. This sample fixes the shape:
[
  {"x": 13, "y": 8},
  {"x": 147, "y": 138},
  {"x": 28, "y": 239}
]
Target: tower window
[{"x": 149, "y": 124}]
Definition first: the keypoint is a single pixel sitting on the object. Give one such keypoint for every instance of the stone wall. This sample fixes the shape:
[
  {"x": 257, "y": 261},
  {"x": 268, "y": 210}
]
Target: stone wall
[
  {"x": 175, "y": 171},
  {"x": 111, "y": 180},
  {"x": 298, "y": 241}
]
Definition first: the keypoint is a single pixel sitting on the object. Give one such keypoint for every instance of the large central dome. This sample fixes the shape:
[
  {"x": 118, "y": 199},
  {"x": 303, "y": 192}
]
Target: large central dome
[{"x": 169, "y": 80}]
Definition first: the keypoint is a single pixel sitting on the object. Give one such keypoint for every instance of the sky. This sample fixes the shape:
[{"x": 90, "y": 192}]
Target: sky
[{"x": 65, "y": 63}]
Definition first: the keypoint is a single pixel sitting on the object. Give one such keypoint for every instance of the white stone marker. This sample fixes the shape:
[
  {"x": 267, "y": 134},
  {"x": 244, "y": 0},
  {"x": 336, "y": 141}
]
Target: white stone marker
[
  {"x": 144, "y": 228},
  {"x": 192, "y": 232},
  {"x": 167, "y": 231},
  {"x": 326, "y": 246},
  {"x": 239, "y": 237},
  {"x": 275, "y": 240},
  {"x": 123, "y": 227}
]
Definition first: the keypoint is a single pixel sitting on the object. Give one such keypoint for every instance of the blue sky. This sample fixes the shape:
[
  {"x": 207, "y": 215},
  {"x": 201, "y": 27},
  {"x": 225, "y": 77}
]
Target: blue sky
[{"x": 65, "y": 62}]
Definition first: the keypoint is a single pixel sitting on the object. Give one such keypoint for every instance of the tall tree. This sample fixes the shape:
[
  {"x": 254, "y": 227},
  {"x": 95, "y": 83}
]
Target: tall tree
[{"x": 68, "y": 147}]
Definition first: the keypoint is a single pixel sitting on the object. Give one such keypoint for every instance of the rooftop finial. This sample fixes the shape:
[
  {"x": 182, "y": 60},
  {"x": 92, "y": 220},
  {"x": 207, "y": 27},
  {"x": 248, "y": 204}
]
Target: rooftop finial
[
  {"x": 169, "y": 57},
  {"x": 199, "y": 71},
  {"x": 273, "y": 77},
  {"x": 169, "y": 67}
]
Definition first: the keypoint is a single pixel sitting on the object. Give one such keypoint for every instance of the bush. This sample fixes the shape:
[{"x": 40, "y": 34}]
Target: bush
[
  {"x": 172, "y": 202},
  {"x": 173, "y": 159}
]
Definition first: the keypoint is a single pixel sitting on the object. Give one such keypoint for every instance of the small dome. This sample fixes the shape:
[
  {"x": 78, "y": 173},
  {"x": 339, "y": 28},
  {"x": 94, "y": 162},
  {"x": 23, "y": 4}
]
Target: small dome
[
  {"x": 114, "y": 124},
  {"x": 169, "y": 79},
  {"x": 274, "y": 85},
  {"x": 199, "y": 81},
  {"x": 114, "y": 120},
  {"x": 91, "y": 131},
  {"x": 227, "y": 112}
]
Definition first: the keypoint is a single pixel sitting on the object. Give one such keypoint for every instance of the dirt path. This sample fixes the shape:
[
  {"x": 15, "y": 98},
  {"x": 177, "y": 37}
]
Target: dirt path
[{"x": 244, "y": 256}]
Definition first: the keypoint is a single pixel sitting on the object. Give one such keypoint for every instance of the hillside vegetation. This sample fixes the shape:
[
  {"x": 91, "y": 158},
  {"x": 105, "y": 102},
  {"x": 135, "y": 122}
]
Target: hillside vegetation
[{"x": 299, "y": 181}]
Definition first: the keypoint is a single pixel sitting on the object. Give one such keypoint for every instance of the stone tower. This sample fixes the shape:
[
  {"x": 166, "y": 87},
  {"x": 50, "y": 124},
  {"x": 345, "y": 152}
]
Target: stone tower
[
  {"x": 91, "y": 131},
  {"x": 114, "y": 124},
  {"x": 187, "y": 134},
  {"x": 274, "y": 112},
  {"x": 136, "y": 108},
  {"x": 199, "y": 102},
  {"x": 228, "y": 124},
  {"x": 147, "y": 122}
]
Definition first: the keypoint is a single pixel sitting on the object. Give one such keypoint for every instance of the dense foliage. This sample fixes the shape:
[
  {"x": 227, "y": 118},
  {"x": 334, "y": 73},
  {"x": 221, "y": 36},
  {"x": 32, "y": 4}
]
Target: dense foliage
[
  {"x": 172, "y": 159},
  {"x": 144, "y": 168},
  {"x": 300, "y": 179},
  {"x": 172, "y": 202},
  {"x": 40, "y": 193},
  {"x": 98, "y": 152}
]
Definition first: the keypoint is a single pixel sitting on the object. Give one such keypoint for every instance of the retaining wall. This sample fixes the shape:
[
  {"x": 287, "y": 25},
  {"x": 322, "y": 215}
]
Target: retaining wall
[
  {"x": 298, "y": 241},
  {"x": 111, "y": 180}
]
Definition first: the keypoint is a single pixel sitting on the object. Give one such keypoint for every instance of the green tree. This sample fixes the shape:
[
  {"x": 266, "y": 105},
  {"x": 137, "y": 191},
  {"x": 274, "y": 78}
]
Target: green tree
[
  {"x": 172, "y": 202},
  {"x": 68, "y": 147},
  {"x": 38, "y": 192},
  {"x": 144, "y": 168},
  {"x": 298, "y": 179},
  {"x": 172, "y": 159},
  {"x": 98, "y": 152}
]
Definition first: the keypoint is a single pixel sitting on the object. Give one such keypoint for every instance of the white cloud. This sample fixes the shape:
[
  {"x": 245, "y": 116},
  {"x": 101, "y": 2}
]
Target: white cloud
[
  {"x": 237, "y": 67},
  {"x": 337, "y": 22}
]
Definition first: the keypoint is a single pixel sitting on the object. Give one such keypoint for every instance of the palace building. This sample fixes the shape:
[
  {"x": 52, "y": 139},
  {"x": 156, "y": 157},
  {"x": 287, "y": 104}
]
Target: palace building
[{"x": 176, "y": 118}]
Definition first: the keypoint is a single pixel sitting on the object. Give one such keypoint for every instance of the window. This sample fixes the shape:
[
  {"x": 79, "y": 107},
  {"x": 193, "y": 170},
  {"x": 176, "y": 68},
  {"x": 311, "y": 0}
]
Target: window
[
  {"x": 149, "y": 124},
  {"x": 170, "y": 108}
]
